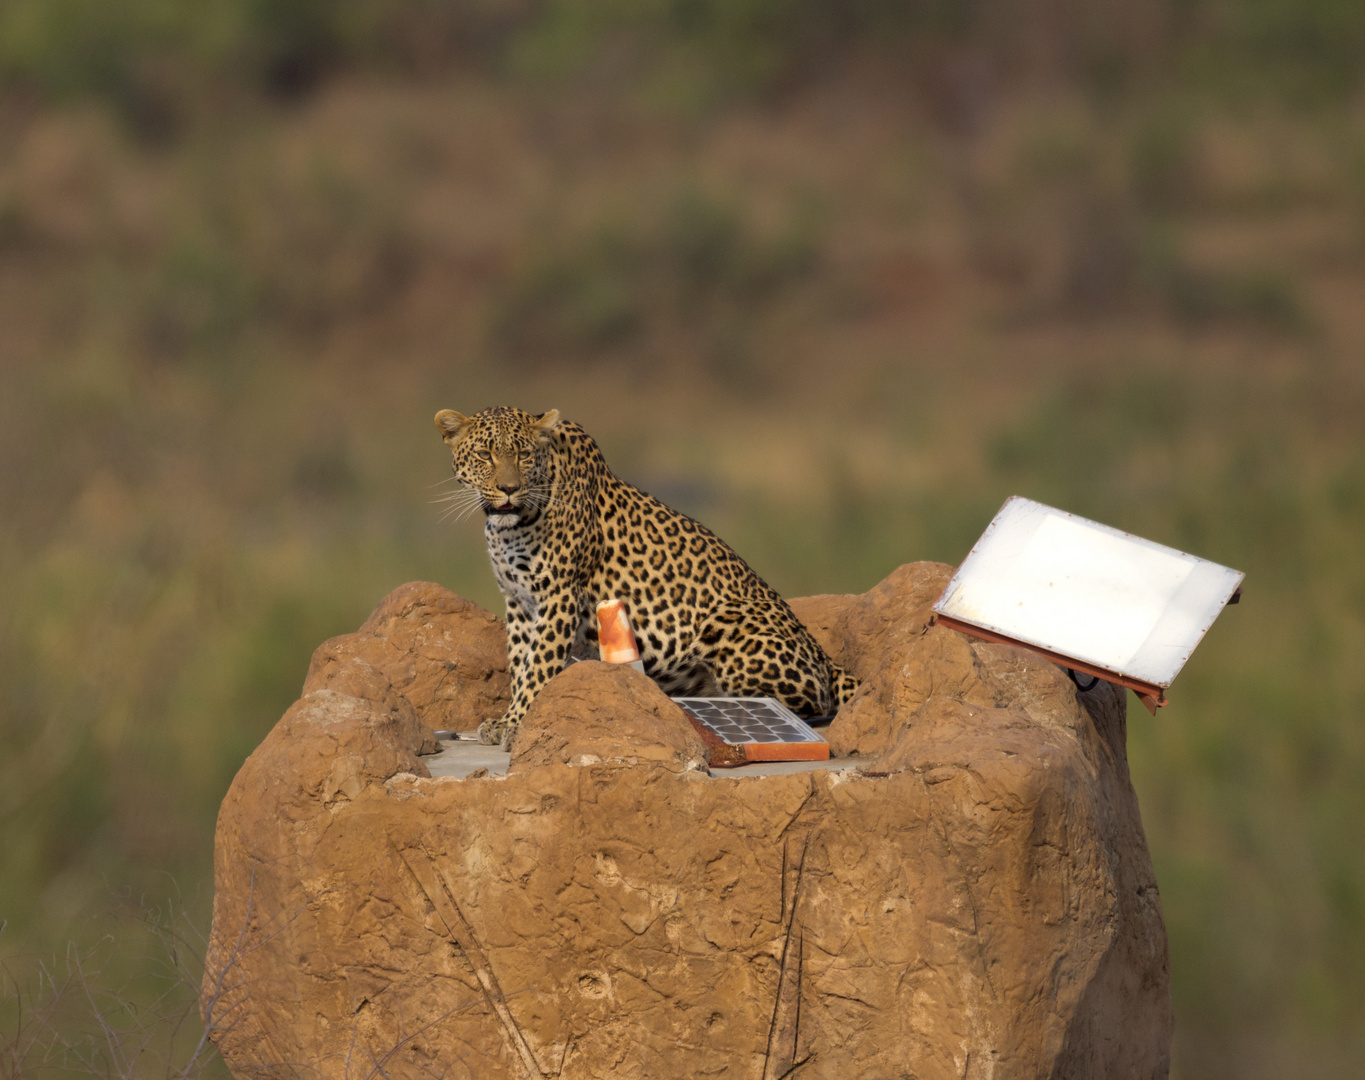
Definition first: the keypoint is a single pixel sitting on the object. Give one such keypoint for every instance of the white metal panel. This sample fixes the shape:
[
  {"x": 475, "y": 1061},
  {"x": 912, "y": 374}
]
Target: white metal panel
[{"x": 1088, "y": 591}]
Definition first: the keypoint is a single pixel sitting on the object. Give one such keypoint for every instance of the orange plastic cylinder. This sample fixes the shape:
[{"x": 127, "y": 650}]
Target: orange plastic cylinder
[{"x": 615, "y": 638}]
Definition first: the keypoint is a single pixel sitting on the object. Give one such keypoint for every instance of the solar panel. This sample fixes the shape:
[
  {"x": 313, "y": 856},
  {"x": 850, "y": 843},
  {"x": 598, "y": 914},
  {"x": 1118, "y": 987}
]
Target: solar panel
[
  {"x": 1087, "y": 596},
  {"x": 739, "y": 730}
]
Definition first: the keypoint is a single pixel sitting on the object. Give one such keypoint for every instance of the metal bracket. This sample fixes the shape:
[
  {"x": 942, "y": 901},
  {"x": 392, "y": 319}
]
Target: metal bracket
[{"x": 1151, "y": 695}]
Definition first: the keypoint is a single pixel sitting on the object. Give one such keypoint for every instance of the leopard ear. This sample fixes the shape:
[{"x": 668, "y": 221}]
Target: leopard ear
[
  {"x": 545, "y": 423},
  {"x": 451, "y": 425}
]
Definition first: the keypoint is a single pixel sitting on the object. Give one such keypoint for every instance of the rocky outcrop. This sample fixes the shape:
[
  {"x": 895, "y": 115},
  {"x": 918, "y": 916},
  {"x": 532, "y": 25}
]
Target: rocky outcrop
[
  {"x": 882, "y": 638},
  {"x": 443, "y": 654},
  {"x": 595, "y": 712},
  {"x": 973, "y": 899}
]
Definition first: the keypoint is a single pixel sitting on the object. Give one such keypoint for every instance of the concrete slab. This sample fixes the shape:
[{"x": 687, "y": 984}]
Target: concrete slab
[{"x": 459, "y": 758}]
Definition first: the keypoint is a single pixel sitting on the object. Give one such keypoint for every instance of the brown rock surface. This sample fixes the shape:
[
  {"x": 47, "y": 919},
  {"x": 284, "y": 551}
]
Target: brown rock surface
[
  {"x": 444, "y": 654},
  {"x": 595, "y": 712},
  {"x": 883, "y": 636},
  {"x": 976, "y": 902}
]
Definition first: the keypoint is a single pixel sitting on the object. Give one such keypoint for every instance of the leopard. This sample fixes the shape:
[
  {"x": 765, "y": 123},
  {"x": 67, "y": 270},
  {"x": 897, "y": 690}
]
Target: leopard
[{"x": 564, "y": 533}]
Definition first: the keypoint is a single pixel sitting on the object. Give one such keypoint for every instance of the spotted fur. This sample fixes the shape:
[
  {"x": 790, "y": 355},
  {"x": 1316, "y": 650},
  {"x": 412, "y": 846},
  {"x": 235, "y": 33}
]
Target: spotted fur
[{"x": 564, "y": 533}]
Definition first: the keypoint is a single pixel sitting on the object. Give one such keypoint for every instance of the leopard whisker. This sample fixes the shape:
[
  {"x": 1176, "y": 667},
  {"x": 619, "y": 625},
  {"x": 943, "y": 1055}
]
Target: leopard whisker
[
  {"x": 456, "y": 499},
  {"x": 542, "y": 494},
  {"x": 458, "y": 504},
  {"x": 456, "y": 494}
]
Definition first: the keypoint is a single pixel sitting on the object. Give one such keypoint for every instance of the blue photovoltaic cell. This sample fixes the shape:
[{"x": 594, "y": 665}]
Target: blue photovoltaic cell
[{"x": 750, "y": 720}]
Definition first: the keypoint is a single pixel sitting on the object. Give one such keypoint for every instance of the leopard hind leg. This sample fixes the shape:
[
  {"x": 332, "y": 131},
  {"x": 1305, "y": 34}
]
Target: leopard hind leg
[
  {"x": 691, "y": 680},
  {"x": 843, "y": 683},
  {"x": 752, "y": 657}
]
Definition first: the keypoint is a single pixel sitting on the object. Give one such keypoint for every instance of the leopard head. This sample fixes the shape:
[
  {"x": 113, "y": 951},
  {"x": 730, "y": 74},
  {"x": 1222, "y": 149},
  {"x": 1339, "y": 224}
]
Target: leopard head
[{"x": 501, "y": 455}]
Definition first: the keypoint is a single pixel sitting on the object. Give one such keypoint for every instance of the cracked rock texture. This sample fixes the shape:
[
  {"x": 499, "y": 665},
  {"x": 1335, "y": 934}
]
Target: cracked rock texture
[
  {"x": 974, "y": 900},
  {"x": 443, "y": 654},
  {"x": 595, "y": 712}
]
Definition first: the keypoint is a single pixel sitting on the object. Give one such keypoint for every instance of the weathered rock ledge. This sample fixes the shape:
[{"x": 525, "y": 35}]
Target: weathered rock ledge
[{"x": 976, "y": 900}]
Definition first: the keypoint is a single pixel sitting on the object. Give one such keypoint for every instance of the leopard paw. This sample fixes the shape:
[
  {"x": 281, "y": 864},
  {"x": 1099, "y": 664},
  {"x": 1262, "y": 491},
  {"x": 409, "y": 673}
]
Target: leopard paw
[{"x": 497, "y": 732}]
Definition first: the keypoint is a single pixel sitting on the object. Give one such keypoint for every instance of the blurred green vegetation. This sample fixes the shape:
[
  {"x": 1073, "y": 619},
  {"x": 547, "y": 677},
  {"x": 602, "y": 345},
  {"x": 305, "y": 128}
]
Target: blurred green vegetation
[
  {"x": 697, "y": 267},
  {"x": 156, "y": 61},
  {"x": 836, "y": 278}
]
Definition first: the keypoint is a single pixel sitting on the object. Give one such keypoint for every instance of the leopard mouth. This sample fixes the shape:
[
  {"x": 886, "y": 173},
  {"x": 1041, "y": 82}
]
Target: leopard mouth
[{"x": 506, "y": 508}]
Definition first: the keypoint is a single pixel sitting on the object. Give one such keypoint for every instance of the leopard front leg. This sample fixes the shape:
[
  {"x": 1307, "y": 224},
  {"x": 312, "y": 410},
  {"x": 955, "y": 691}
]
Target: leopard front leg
[
  {"x": 537, "y": 651},
  {"x": 520, "y": 630}
]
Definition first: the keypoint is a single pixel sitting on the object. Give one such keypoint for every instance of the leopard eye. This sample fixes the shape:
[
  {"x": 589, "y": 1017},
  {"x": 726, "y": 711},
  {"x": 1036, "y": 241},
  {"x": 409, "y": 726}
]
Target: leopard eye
[{"x": 483, "y": 455}]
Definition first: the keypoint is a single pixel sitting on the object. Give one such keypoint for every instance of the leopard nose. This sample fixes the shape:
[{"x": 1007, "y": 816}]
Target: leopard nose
[{"x": 508, "y": 489}]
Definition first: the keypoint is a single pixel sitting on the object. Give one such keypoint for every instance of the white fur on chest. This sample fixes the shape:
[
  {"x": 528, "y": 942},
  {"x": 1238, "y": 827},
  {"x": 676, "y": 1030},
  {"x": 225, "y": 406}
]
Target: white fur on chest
[{"x": 516, "y": 565}]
